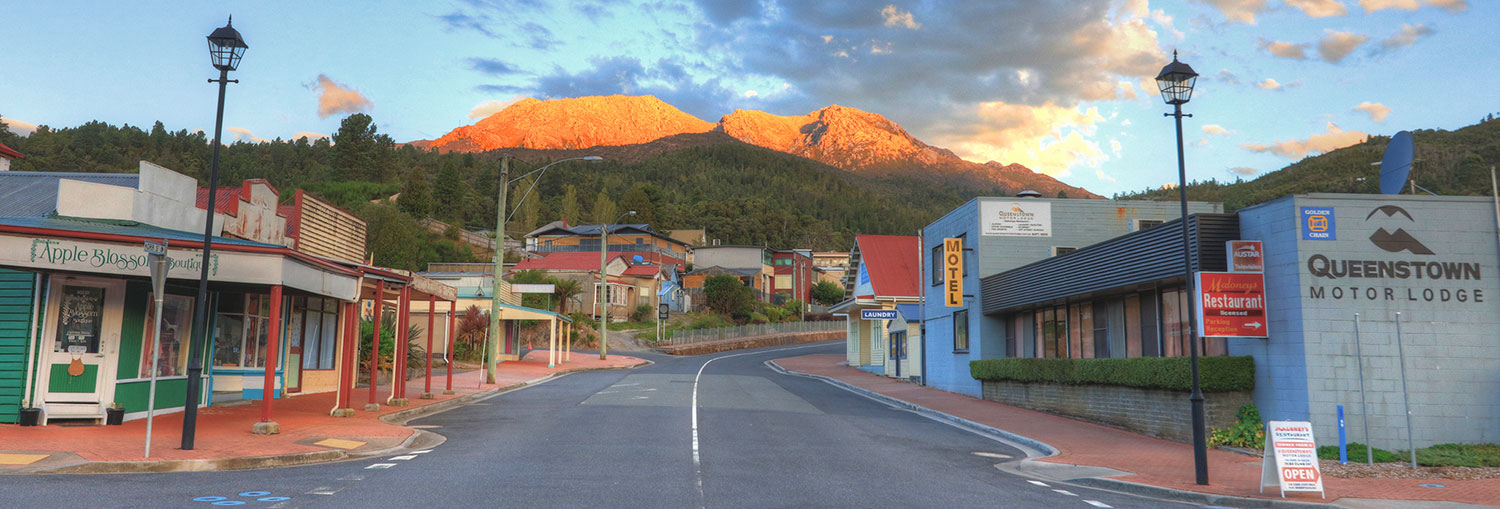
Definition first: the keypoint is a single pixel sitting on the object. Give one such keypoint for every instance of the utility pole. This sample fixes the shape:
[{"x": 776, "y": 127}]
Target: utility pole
[{"x": 492, "y": 344}]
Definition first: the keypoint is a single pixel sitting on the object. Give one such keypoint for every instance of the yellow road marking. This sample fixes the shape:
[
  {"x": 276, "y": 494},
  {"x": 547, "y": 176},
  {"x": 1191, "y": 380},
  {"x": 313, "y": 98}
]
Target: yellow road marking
[
  {"x": 20, "y": 459},
  {"x": 340, "y": 443}
]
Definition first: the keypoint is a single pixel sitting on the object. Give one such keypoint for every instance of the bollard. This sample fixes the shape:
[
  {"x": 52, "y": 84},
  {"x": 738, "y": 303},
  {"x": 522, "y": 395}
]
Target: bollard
[{"x": 1343, "y": 442}]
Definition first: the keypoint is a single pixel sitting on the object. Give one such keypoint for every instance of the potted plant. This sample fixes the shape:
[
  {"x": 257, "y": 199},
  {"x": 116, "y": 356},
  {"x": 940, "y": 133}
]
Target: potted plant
[
  {"x": 30, "y": 416},
  {"x": 114, "y": 415}
]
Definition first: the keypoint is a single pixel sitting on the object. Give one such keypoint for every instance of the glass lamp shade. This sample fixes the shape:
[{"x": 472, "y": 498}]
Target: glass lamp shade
[
  {"x": 1176, "y": 82},
  {"x": 225, "y": 47}
]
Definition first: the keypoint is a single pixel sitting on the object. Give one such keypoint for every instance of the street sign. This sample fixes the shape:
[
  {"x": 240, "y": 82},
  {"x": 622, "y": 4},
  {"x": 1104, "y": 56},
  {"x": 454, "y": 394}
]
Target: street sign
[
  {"x": 877, "y": 314},
  {"x": 156, "y": 248},
  {"x": 1231, "y": 304},
  {"x": 1293, "y": 452},
  {"x": 953, "y": 272},
  {"x": 661, "y": 312},
  {"x": 1245, "y": 256}
]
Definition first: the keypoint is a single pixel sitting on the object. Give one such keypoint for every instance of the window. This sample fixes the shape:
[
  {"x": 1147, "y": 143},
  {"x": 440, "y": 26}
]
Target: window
[
  {"x": 961, "y": 330},
  {"x": 937, "y": 264},
  {"x": 1146, "y": 224},
  {"x": 1052, "y": 332},
  {"x": 1174, "y": 321},
  {"x": 176, "y": 331},
  {"x": 240, "y": 330},
  {"x": 898, "y": 345},
  {"x": 1060, "y": 250},
  {"x": 315, "y": 321},
  {"x": 639, "y": 241}
]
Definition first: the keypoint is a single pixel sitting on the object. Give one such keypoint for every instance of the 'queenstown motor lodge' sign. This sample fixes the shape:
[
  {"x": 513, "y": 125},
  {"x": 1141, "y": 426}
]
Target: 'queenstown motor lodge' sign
[
  {"x": 1291, "y": 459},
  {"x": 1231, "y": 304},
  {"x": 1015, "y": 218}
]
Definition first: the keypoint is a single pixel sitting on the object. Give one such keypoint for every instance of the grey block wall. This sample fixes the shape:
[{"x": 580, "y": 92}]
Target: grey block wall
[{"x": 1157, "y": 413}]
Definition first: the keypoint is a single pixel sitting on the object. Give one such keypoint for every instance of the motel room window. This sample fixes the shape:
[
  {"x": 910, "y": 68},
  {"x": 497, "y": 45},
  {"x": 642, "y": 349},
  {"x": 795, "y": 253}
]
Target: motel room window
[
  {"x": 240, "y": 332},
  {"x": 176, "y": 330},
  {"x": 961, "y": 331},
  {"x": 937, "y": 264},
  {"x": 1052, "y": 332},
  {"x": 1174, "y": 321}
]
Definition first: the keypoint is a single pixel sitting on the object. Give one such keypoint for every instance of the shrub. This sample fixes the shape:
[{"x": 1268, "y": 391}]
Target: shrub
[
  {"x": 1357, "y": 453},
  {"x": 827, "y": 293},
  {"x": 641, "y": 313},
  {"x": 758, "y": 318},
  {"x": 1247, "y": 431},
  {"x": 726, "y": 295},
  {"x": 1217, "y": 374}
]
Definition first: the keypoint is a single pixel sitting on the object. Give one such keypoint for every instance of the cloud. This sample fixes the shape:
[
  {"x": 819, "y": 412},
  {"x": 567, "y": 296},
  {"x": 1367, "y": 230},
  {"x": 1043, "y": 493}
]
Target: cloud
[
  {"x": 1115, "y": 147},
  {"x": 311, "y": 136},
  {"x": 492, "y": 66},
  {"x": 1228, "y": 77},
  {"x": 1281, "y": 49},
  {"x": 1103, "y": 176},
  {"x": 335, "y": 98},
  {"x": 1215, "y": 129},
  {"x": 492, "y": 106},
  {"x": 1238, "y": 11},
  {"x": 19, "y": 127},
  {"x": 498, "y": 21},
  {"x": 1453, "y": 6},
  {"x": 1268, "y": 84},
  {"x": 1243, "y": 170},
  {"x": 1376, "y": 111},
  {"x": 1048, "y": 139},
  {"x": 750, "y": 94},
  {"x": 1379, "y": 5},
  {"x": 1320, "y": 8},
  {"x": 1408, "y": 36},
  {"x": 1336, "y": 45},
  {"x": 898, "y": 18},
  {"x": 242, "y": 134},
  {"x": 1334, "y": 138}
]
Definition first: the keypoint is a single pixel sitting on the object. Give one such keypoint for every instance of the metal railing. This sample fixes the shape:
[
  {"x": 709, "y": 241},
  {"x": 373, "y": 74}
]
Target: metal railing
[{"x": 683, "y": 337}]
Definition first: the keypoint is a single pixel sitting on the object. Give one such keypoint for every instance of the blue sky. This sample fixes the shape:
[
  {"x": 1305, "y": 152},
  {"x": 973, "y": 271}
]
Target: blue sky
[{"x": 1056, "y": 85}]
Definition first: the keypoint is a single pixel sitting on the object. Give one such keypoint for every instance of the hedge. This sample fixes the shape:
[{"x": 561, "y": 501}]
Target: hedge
[{"x": 1216, "y": 374}]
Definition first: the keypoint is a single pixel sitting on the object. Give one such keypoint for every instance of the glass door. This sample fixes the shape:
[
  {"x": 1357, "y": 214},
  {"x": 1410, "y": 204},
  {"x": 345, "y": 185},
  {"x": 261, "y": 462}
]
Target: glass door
[{"x": 83, "y": 324}]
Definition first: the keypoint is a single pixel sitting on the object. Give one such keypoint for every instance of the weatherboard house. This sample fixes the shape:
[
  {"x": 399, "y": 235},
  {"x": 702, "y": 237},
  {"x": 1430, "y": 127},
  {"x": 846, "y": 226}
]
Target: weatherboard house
[{"x": 887, "y": 275}]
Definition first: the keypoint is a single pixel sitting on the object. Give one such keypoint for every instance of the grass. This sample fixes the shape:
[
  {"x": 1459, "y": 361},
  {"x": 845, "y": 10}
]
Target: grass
[
  {"x": 618, "y": 326},
  {"x": 1441, "y": 455}
]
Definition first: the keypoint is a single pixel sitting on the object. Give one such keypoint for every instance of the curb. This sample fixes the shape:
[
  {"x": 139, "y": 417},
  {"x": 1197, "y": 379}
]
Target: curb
[
  {"x": 1042, "y": 449},
  {"x": 419, "y": 439}
]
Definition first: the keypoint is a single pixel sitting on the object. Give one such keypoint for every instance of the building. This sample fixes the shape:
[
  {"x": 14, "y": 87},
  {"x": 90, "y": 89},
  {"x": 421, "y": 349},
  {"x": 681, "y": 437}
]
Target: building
[
  {"x": 1002, "y": 234},
  {"x": 888, "y": 275},
  {"x": 831, "y": 266},
  {"x": 752, "y": 264},
  {"x": 6, "y": 155},
  {"x": 905, "y": 343},
  {"x": 583, "y": 267},
  {"x": 628, "y": 239},
  {"x": 794, "y": 275}
]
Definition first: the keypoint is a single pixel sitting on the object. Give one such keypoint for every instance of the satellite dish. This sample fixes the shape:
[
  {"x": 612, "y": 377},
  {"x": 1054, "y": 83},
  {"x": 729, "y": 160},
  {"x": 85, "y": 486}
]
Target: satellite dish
[
  {"x": 638, "y": 259},
  {"x": 1395, "y": 167}
]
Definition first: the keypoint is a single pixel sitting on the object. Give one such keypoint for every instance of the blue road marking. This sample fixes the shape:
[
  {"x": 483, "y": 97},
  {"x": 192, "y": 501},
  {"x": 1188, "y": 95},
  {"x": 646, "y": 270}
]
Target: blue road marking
[
  {"x": 229, "y": 502},
  {"x": 255, "y": 493},
  {"x": 209, "y": 499},
  {"x": 273, "y": 499},
  {"x": 1424, "y": 485}
]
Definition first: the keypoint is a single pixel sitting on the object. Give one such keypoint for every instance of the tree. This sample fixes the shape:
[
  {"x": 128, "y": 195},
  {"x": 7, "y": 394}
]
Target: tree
[
  {"x": 416, "y": 195},
  {"x": 726, "y": 295},
  {"x": 640, "y": 199},
  {"x": 571, "y": 212},
  {"x": 605, "y": 210},
  {"x": 827, "y": 293},
  {"x": 563, "y": 291},
  {"x": 360, "y": 152},
  {"x": 392, "y": 237},
  {"x": 450, "y": 194},
  {"x": 528, "y": 212},
  {"x": 1062, "y": 194}
]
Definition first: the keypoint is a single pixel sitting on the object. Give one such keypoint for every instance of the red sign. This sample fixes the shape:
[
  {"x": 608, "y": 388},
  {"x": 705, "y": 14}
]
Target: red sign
[
  {"x": 1231, "y": 304},
  {"x": 1245, "y": 256}
]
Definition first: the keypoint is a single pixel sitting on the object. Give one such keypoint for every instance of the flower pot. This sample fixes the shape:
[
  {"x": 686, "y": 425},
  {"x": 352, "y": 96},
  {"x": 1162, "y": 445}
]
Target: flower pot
[
  {"x": 114, "y": 416},
  {"x": 30, "y": 416}
]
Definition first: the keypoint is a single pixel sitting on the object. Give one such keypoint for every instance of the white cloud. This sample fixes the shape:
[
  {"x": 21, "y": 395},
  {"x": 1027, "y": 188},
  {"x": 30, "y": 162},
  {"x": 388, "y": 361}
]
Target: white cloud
[
  {"x": 1238, "y": 11},
  {"x": 1268, "y": 84},
  {"x": 751, "y": 94},
  {"x": 1320, "y": 8},
  {"x": 1115, "y": 147},
  {"x": 1334, "y": 138},
  {"x": 242, "y": 134},
  {"x": 898, "y": 18},
  {"x": 1103, "y": 176},
  {"x": 492, "y": 106},
  {"x": 1453, "y": 6},
  {"x": 1376, "y": 111},
  {"x": 1125, "y": 123},
  {"x": 334, "y": 98},
  {"x": 1408, "y": 36},
  {"x": 1243, "y": 170},
  {"x": 1282, "y": 49},
  {"x": 1215, "y": 129},
  {"x": 311, "y": 136},
  {"x": 19, "y": 127},
  {"x": 1378, "y": 5},
  {"x": 1048, "y": 139},
  {"x": 1336, "y": 45}
]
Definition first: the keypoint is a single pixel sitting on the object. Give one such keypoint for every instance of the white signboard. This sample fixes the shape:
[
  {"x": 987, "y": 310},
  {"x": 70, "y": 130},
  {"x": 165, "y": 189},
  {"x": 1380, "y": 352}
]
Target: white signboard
[
  {"x": 1291, "y": 459},
  {"x": 1019, "y": 218}
]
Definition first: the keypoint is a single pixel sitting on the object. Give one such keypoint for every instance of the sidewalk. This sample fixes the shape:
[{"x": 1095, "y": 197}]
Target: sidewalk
[
  {"x": 1153, "y": 462},
  {"x": 308, "y": 434}
]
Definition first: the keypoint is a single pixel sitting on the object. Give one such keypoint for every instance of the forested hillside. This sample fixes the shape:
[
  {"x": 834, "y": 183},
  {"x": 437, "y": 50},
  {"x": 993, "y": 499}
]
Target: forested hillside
[
  {"x": 1447, "y": 163},
  {"x": 740, "y": 193}
]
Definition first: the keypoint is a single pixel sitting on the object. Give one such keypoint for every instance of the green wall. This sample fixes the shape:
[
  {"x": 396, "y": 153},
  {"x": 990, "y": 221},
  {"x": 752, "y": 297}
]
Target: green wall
[
  {"x": 16, "y": 289},
  {"x": 169, "y": 394},
  {"x": 132, "y": 326}
]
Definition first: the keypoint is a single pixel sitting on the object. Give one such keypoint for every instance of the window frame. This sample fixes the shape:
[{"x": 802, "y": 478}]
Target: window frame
[{"x": 961, "y": 317}]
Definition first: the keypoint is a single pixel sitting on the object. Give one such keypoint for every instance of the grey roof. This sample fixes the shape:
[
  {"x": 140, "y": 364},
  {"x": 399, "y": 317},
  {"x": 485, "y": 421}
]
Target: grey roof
[
  {"x": 34, "y": 193},
  {"x": 715, "y": 269},
  {"x": 124, "y": 228}
]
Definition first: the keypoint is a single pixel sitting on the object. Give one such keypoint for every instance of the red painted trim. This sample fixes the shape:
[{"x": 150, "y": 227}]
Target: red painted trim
[
  {"x": 113, "y": 237},
  {"x": 273, "y": 350},
  {"x": 375, "y": 340},
  {"x": 452, "y": 307},
  {"x": 431, "y": 310}
]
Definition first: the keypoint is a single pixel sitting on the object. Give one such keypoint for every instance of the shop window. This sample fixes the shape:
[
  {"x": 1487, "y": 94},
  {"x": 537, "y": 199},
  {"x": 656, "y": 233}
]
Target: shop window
[
  {"x": 1100, "y": 331},
  {"x": 318, "y": 320},
  {"x": 961, "y": 330},
  {"x": 176, "y": 332},
  {"x": 1052, "y": 332},
  {"x": 1174, "y": 322},
  {"x": 1150, "y": 322},
  {"x": 240, "y": 332},
  {"x": 1080, "y": 330}
]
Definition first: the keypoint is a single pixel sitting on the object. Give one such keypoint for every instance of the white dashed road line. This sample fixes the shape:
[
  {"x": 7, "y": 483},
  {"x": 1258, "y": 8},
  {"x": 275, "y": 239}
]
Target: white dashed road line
[
  {"x": 1097, "y": 503},
  {"x": 1038, "y": 483},
  {"x": 324, "y": 490},
  {"x": 403, "y": 458},
  {"x": 1066, "y": 492},
  {"x": 380, "y": 466}
]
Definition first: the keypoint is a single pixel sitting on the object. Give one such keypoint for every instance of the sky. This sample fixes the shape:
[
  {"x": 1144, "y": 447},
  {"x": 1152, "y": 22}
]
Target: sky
[{"x": 1061, "y": 86}]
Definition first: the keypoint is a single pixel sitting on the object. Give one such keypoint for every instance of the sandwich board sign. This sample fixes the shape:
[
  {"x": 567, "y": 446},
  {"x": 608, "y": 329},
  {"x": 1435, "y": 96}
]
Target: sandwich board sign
[{"x": 1291, "y": 459}]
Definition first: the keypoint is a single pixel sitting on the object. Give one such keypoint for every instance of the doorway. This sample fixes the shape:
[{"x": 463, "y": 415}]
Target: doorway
[{"x": 83, "y": 325}]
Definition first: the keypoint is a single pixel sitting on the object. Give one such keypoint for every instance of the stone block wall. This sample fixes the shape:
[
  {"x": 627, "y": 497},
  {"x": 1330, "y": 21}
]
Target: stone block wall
[
  {"x": 1153, "y": 412},
  {"x": 751, "y": 342}
]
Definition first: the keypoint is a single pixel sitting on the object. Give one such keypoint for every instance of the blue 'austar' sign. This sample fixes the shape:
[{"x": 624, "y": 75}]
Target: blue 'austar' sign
[
  {"x": 877, "y": 314},
  {"x": 1317, "y": 224}
]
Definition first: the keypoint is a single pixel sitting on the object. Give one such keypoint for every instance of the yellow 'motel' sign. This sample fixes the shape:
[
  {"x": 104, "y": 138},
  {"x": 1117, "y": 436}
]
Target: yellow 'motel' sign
[{"x": 953, "y": 269}]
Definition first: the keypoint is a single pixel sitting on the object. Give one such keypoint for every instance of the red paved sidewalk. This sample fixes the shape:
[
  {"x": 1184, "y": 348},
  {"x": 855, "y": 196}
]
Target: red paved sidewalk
[
  {"x": 1153, "y": 461},
  {"x": 224, "y": 431}
]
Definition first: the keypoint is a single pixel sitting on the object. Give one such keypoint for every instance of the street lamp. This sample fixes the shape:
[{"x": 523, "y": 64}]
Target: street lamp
[
  {"x": 604, "y": 286},
  {"x": 1176, "y": 84},
  {"x": 492, "y": 343},
  {"x": 225, "y": 47}
]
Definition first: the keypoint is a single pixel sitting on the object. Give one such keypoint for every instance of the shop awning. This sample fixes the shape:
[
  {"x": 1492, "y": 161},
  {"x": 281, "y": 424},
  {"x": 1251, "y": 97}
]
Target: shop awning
[{"x": 513, "y": 312}]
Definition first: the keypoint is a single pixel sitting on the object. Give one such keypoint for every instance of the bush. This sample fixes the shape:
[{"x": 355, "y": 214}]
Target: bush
[
  {"x": 641, "y": 313},
  {"x": 827, "y": 293},
  {"x": 1247, "y": 431},
  {"x": 758, "y": 318},
  {"x": 1357, "y": 453},
  {"x": 726, "y": 295},
  {"x": 1217, "y": 374}
]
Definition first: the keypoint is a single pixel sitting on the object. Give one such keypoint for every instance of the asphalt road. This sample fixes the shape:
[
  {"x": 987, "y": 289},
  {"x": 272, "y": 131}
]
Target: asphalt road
[{"x": 632, "y": 438}]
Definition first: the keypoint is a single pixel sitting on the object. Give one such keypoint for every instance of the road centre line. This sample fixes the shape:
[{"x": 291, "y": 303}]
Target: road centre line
[
  {"x": 1038, "y": 483},
  {"x": 1097, "y": 503},
  {"x": 1066, "y": 492}
]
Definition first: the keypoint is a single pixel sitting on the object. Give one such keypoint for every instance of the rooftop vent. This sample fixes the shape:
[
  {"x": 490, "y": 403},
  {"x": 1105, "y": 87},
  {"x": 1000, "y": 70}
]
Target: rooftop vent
[{"x": 1028, "y": 194}]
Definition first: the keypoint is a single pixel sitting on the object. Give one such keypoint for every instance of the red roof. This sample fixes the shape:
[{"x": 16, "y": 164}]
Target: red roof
[
  {"x": 643, "y": 270},
  {"x": 10, "y": 152},
  {"x": 228, "y": 201},
  {"x": 563, "y": 261},
  {"x": 894, "y": 263}
]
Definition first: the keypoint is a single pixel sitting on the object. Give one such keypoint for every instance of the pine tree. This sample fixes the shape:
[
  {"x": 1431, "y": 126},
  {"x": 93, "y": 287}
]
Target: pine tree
[
  {"x": 416, "y": 194},
  {"x": 605, "y": 210},
  {"x": 528, "y": 211},
  {"x": 451, "y": 194},
  {"x": 571, "y": 212}
]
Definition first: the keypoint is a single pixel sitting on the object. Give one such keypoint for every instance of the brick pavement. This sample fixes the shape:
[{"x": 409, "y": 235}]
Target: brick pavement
[
  {"x": 1153, "y": 461},
  {"x": 224, "y": 431}
]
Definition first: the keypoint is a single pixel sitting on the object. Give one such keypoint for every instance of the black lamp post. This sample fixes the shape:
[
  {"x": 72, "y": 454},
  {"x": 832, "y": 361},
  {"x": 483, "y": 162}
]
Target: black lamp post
[
  {"x": 225, "y": 47},
  {"x": 1176, "y": 84}
]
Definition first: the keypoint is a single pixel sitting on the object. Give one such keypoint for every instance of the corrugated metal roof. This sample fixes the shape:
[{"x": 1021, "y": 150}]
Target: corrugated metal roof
[
  {"x": 911, "y": 312},
  {"x": 34, "y": 193},
  {"x": 126, "y": 228},
  {"x": 893, "y": 263}
]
